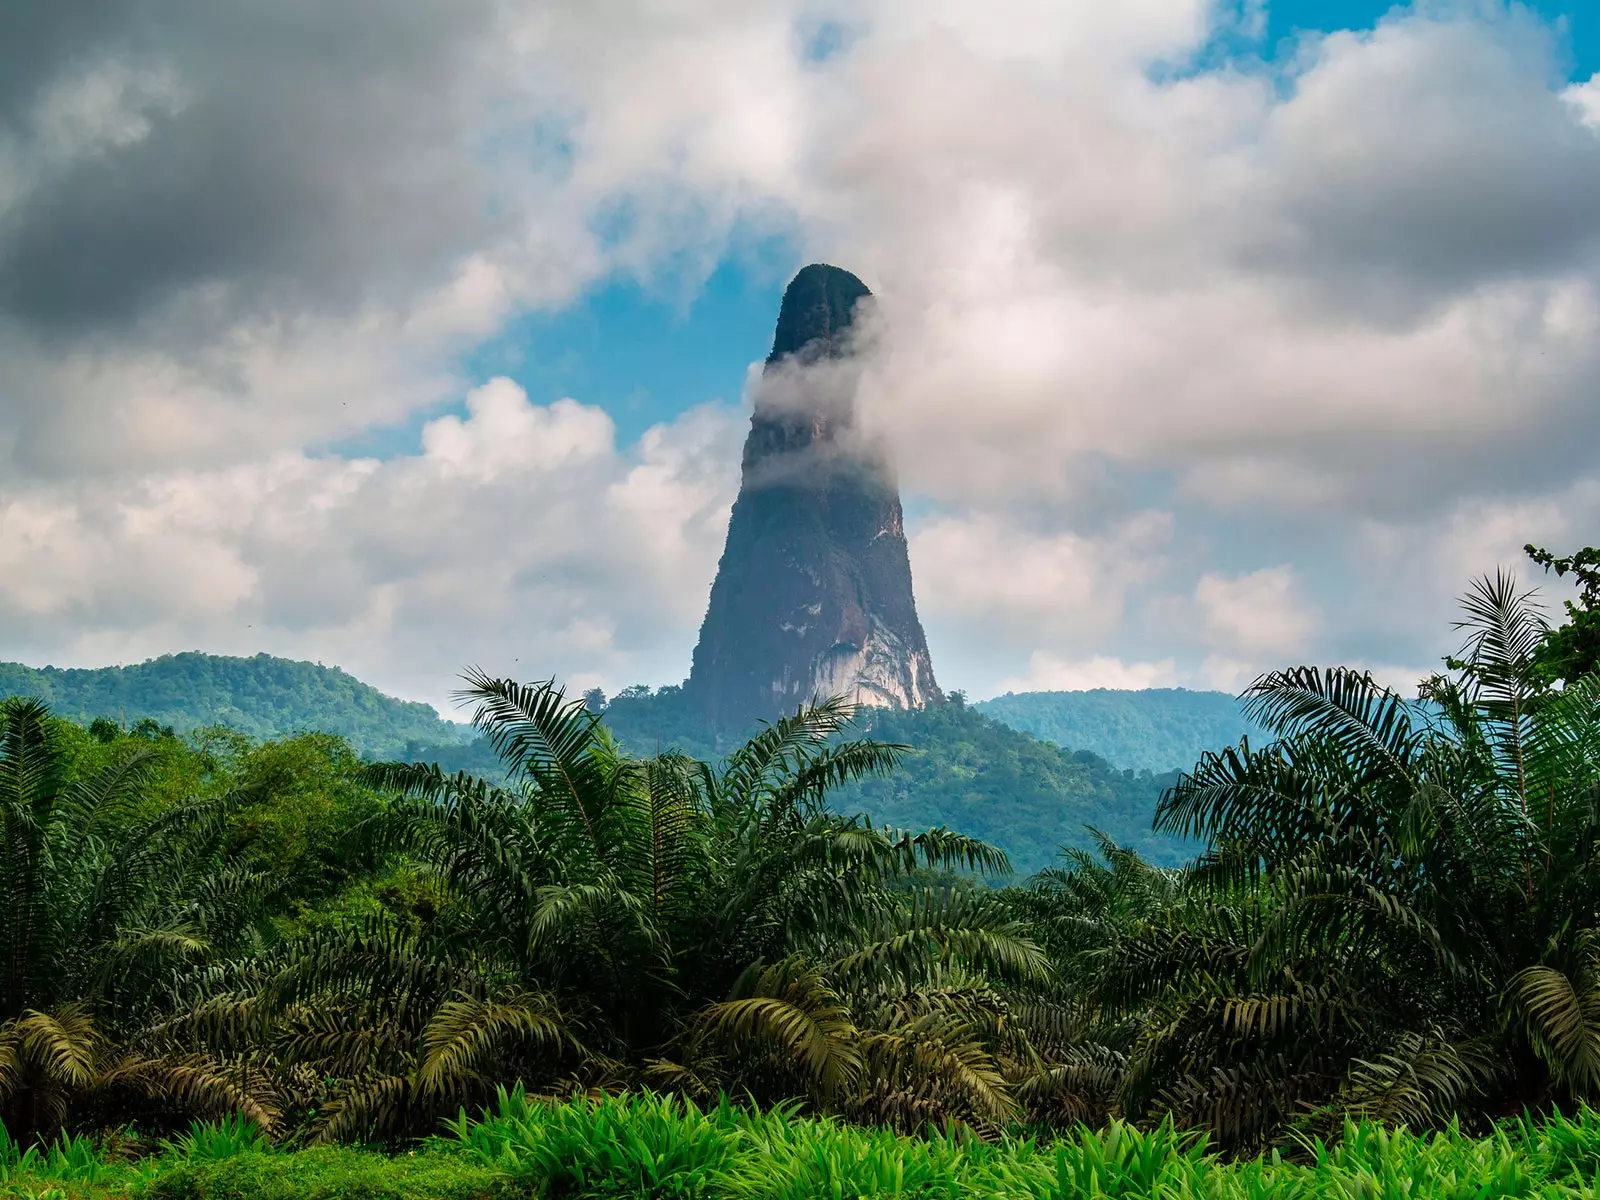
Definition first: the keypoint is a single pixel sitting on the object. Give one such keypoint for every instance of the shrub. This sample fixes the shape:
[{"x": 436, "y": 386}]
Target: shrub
[{"x": 329, "y": 1173}]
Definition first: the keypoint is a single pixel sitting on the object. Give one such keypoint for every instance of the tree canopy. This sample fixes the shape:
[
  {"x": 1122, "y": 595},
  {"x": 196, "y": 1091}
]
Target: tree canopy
[{"x": 1572, "y": 650}]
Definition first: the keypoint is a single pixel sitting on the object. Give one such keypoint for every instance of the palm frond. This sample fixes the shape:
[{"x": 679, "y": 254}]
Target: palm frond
[
  {"x": 466, "y": 1031},
  {"x": 1560, "y": 1015},
  {"x": 1371, "y": 726},
  {"x": 789, "y": 1009}
]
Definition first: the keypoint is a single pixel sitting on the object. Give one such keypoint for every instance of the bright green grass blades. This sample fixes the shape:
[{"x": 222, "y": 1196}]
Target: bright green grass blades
[
  {"x": 1563, "y": 1148},
  {"x": 636, "y": 1146},
  {"x": 211, "y": 1141},
  {"x": 645, "y": 1147},
  {"x": 1123, "y": 1161},
  {"x": 67, "y": 1160}
]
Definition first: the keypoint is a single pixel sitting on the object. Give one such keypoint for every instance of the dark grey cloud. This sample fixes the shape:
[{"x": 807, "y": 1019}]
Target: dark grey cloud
[
  {"x": 289, "y": 157},
  {"x": 40, "y": 36},
  {"x": 1425, "y": 159}
]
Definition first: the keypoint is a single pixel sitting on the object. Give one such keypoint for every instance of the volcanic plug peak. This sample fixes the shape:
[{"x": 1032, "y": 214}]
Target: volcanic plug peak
[
  {"x": 813, "y": 594},
  {"x": 818, "y": 308}
]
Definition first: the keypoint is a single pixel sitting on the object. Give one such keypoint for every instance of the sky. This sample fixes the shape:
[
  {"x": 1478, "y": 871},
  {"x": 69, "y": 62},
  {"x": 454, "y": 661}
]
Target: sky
[{"x": 407, "y": 336}]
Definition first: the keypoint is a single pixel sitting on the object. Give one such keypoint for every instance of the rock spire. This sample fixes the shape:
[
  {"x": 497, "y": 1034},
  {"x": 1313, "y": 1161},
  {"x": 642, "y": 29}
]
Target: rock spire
[{"x": 813, "y": 593}]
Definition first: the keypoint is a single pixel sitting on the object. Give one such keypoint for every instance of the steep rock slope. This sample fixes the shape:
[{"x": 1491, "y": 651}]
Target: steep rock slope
[{"x": 813, "y": 594}]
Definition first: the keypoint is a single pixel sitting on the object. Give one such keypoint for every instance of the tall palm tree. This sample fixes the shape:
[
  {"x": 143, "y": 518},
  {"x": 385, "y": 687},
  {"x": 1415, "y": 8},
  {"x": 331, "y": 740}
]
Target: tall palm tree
[
  {"x": 99, "y": 902},
  {"x": 602, "y": 913},
  {"x": 1398, "y": 912}
]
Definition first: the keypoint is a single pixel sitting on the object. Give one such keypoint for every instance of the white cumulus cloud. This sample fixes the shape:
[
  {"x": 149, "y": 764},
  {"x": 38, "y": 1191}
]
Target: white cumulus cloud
[
  {"x": 1192, "y": 366},
  {"x": 1047, "y": 673},
  {"x": 520, "y": 536}
]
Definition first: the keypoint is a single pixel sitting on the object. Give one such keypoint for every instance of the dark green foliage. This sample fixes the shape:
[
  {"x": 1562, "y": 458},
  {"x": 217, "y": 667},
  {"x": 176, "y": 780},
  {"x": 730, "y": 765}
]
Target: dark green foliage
[
  {"x": 966, "y": 772},
  {"x": 648, "y": 721},
  {"x": 963, "y": 770},
  {"x": 129, "y": 864},
  {"x": 263, "y": 697},
  {"x": 1394, "y": 920},
  {"x": 475, "y": 757},
  {"x": 604, "y": 919},
  {"x": 1572, "y": 650},
  {"x": 1398, "y": 914},
  {"x": 309, "y": 798},
  {"x": 330, "y": 1173},
  {"x": 1158, "y": 729},
  {"x": 101, "y": 898},
  {"x": 1029, "y": 797}
]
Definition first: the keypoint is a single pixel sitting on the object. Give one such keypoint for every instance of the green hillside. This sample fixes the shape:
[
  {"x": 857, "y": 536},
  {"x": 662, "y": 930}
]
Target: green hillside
[
  {"x": 1162, "y": 729},
  {"x": 966, "y": 771},
  {"x": 263, "y": 696},
  {"x": 969, "y": 769}
]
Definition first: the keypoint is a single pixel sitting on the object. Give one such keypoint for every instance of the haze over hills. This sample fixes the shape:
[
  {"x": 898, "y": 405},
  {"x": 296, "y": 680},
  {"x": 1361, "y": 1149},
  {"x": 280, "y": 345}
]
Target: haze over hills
[
  {"x": 965, "y": 770},
  {"x": 1158, "y": 729}
]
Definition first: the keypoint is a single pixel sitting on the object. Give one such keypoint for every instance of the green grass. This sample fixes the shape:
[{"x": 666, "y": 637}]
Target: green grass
[
  {"x": 329, "y": 1173},
  {"x": 643, "y": 1146}
]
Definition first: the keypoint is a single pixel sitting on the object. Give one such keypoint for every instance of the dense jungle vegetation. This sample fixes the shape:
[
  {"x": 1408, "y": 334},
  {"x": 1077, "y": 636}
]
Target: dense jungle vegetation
[
  {"x": 1393, "y": 921},
  {"x": 962, "y": 769}
]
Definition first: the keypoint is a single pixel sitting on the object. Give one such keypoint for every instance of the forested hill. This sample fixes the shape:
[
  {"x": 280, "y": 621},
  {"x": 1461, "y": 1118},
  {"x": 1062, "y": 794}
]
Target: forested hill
[
  {"x": 262, "y": 696},
  {"x": 1030, "y": 797},
  {"x": 1162, "y": 729},
  {"x": 966, "y": 771}
]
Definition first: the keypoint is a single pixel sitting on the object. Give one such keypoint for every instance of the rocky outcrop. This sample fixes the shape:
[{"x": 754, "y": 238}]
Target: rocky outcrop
[{"x": 813, "y": 594}]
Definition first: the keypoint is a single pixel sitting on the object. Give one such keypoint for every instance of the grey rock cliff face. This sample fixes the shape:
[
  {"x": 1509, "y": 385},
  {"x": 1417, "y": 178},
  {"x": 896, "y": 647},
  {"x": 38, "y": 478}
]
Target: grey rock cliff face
[{"x": 813, "y": 594}]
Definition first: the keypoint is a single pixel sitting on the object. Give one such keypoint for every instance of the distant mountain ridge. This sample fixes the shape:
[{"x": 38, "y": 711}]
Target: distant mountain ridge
[
  {"x": 263, "y": 696},
  {"x": 1158, "y": 729}
]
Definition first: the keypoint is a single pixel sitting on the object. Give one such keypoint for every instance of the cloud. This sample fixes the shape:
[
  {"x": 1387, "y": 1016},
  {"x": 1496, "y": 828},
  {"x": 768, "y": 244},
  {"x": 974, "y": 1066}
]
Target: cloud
[
  {"x": 518, "y": 535},
  {"x": 1013, "y": 581},
  {"x": 1258, "y": 615},
  {"x": 505, "y": 435},
  {"x": 1284, "y": 299},
  {"x": 1186, "y": 360},
  {"x": 1585, "y": 97},
  {"x": 294, "y": 161},
  {"x": 1047, "y": 673},
  {"x": 1484, "y": 176},
  {"x": 229, "y": 233}
]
